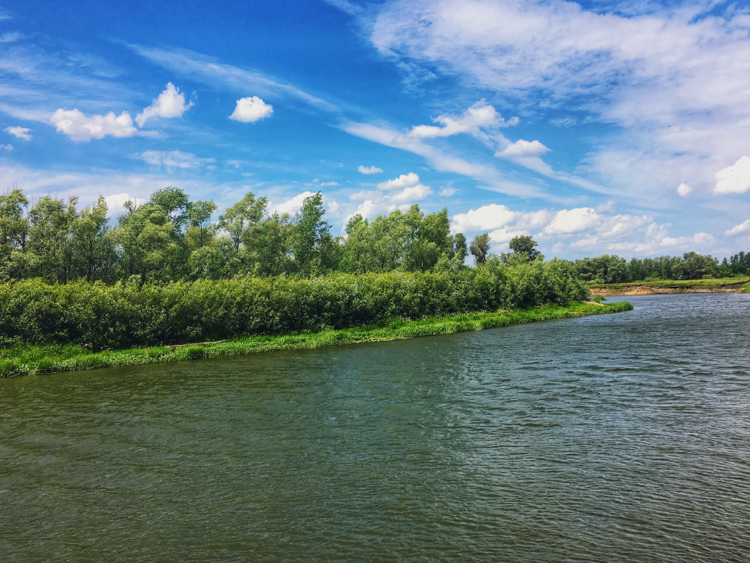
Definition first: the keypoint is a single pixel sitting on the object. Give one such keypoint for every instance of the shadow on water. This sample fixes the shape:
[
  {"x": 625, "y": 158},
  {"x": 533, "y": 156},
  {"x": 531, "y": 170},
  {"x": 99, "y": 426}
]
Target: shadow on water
[{"x": 613, "y": 438}]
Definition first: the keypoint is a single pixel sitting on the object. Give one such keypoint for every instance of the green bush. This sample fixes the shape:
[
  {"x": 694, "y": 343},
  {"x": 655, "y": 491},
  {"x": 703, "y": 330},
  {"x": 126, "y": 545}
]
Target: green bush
[{"x": 126, "y": 314}]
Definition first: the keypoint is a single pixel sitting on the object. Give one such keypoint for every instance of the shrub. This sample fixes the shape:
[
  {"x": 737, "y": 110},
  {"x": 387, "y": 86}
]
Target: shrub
[{"x": 127, "y": 314}]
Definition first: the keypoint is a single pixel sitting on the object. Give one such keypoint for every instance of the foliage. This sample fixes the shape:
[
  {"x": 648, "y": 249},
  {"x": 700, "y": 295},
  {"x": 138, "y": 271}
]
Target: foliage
[
  {"x": 26, "y": 359},
  {"x": 480, "y": 248},
  {"x": 613, "y": 269},
  {"x": 131, "y": 314}
]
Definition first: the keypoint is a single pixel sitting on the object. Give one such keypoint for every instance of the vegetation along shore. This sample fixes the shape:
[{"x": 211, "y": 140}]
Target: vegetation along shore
[
  {"x": 665, "y": 287},
  {"x": 30, "y": 359}
]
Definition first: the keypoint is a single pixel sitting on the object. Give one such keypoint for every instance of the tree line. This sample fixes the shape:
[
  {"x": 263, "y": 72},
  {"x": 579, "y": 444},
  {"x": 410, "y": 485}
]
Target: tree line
[
  {"x": 689, "y": 266},
  {"x": 170, "y": 238}
]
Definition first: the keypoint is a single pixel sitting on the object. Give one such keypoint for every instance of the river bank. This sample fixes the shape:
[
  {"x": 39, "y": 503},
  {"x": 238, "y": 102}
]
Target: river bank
[
  {"x": 30, "y": 359},
  {"x": 669, "y": 287}
]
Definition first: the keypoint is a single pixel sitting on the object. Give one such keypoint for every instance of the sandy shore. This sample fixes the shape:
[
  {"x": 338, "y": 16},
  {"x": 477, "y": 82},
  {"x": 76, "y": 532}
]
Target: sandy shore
[{"x": 645, "y": 289}]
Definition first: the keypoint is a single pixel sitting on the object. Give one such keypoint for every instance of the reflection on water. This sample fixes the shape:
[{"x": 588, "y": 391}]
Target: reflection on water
[{"x": 614, "y": 438}]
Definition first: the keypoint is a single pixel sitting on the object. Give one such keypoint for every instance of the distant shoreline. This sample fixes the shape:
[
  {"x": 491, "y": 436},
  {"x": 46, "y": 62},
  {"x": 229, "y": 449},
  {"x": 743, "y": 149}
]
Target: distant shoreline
[{"x": 667, "y": 288}]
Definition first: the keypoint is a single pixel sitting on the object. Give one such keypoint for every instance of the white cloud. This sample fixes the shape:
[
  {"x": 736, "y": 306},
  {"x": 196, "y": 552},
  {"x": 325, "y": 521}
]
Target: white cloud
[
  {"x": 20, "y": 132},
  {"x": 369, "y": 170},
  {"x": 329, "y": 184},
  {"x": 250, "y": 110},
  {"x": 413, "y": 193},
  {"x": 447, "y": 192},
  {"x": 521, "y": 149},
  {"x": 683, "y": 189},
  {"x": 570, "y": 221},
  {"x": 174, "y": 159},
  {"x": 501, "y": 236},
  {"x": 116, "y": 203},
  {"x": 290, "y": 206},
  {"x": 485, "y": 218},
  {"x": 489, "y": 177},
  {"x": 170, "y": 103},
  {"x": 481, "y": 114},
  {"x": 6, "y": 147},
  {"x": 403, "y": 181},
  {"x": 734, "y": 179},
  {"x": 741, "y": 228},
  {"x": 78, "y": 127},
  {"x": 677, "y": 87},
  {"x": 585, "y": 243}
]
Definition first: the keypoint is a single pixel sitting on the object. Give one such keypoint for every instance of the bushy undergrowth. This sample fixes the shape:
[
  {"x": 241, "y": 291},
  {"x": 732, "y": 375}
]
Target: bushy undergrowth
[
  {"x": 48, "y": 358},
  {"x": 127, "y": 314}
]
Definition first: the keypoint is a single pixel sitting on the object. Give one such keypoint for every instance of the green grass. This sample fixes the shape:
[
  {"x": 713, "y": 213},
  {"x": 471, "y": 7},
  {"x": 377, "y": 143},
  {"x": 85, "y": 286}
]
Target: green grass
[
  {"x": 678, "y": 284},
  {"x": 28, "y": 359},
  {"x": 746, "y": 288}
]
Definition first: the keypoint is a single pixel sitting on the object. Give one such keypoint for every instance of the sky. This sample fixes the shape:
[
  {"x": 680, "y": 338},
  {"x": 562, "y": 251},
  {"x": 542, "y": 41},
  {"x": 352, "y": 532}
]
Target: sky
[{"x": 600, "y": 127}]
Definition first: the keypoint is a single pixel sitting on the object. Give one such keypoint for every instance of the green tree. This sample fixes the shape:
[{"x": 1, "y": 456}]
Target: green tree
[
  {"x": 480, "y": 247},
  {"x": 459, "y": 247},
  {"x": 14, "y": 233},
  {"x": 524, "y": 245}
]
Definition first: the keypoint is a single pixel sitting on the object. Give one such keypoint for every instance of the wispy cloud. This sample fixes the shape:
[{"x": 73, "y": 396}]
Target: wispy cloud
[
  {"x": 174, "y": 159},
  {"x": 223, "y": 76},
  {"x": 677, "y": 85}
]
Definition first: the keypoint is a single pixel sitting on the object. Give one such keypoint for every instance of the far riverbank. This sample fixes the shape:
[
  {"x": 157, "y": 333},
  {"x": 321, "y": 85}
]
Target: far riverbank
[{"x": 669, "y": 287}]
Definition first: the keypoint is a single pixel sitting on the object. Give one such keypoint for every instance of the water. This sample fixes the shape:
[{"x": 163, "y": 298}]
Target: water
[{"x": 614, "y": 438}]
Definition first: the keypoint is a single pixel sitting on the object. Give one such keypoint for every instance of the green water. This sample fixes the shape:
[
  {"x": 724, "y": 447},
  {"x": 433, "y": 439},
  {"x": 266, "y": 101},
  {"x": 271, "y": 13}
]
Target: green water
[{"x": 614, "y": 438}]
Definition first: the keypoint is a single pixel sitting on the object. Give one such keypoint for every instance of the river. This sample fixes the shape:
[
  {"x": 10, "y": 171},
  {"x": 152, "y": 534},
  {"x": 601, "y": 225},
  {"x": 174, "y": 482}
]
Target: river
[{"x": 613, "y": 438}]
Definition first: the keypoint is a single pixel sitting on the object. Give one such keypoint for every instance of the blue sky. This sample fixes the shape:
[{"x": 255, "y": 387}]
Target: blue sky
[{"x": 601, "y": 127}]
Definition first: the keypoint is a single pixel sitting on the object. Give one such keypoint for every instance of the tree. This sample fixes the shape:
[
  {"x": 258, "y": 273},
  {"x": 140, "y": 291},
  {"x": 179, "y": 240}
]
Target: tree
[
  {"x": 524, "y": 245},
  {"x": 459, "y": 247},
  {"x": 310, "y": 236},
  {"x": 198, "y": 214},
  {"x": 480, "y": 247}
]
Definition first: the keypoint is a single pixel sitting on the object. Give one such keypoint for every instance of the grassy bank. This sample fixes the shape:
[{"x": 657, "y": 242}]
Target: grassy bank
[{"x": 29, "y": 359}]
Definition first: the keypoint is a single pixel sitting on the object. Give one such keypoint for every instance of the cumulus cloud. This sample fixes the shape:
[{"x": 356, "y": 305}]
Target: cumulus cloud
[
  {"x": 741, "y": 228},
  {"x": 20, "y": 132},
  {"x": 683, "y": 189},
  {"x": 369, "y": 170},
  {"x": 734, "y": 179},
  {"x": 250, "y": 110},
  {"x": 502, "y": 236},
  {"x": 174, "y": 159},
  {"x": 403, "y": 181},
  {"x": 481, "y": 114},
  {"x": 569, "y": 221},
  {"x": 521, "y": 149},
  {"x": 486, "y": 218},
  {"x": 290, "y": 206},
  {"x": 79, "y": 127},
  {"x": 170, "y": 103},
  {"x": 657, "y": 241},
  {"x": 413, "y": 193},
  {"x": 596, "y": 227}
]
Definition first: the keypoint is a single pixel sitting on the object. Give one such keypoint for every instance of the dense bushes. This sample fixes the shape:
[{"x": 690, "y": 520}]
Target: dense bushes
[{"x": 128, "y": 314}]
